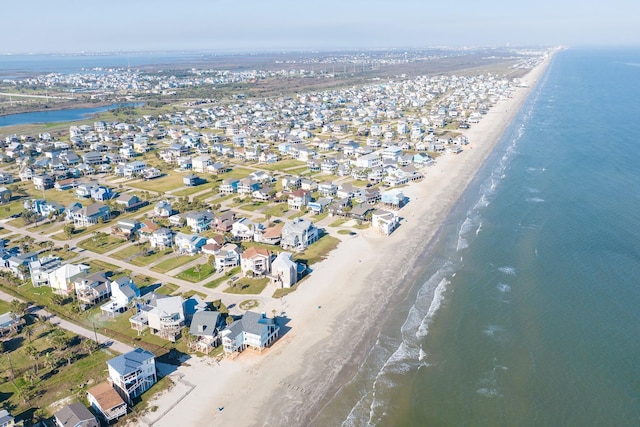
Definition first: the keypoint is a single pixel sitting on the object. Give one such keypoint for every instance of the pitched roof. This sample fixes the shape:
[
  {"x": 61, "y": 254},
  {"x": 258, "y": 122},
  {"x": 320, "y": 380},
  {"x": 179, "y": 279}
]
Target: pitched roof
[
  {"x": 74, "y": 414},
  {"x": 106, "y": 396},
  {"x": 254, "y": 251},
  {"x": 129, "y": 362},
  {"x": 204, "y": 323}
]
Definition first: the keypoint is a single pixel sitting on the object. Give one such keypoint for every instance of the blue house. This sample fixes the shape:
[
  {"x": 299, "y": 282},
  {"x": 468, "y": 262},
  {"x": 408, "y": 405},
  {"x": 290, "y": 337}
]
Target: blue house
[{"x": 101, "y": 193}]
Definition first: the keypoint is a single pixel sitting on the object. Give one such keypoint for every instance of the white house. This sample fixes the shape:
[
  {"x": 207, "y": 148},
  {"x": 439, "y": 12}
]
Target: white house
[
  {"x": 132, "y": 373},
  {"x": 106, "y": 401},
  {"x": 252, "y": 330},
  {"x": 61, "y": 279},
  {"x": 298, "y": 234},
  {"x": 284, "y": 271}
]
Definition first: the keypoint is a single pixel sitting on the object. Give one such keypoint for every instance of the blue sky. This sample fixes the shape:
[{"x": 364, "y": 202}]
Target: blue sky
[{"x": 86, "y": 25}]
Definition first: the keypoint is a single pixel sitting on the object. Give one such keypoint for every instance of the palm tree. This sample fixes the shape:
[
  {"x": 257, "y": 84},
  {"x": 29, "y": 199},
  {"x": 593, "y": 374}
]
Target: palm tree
[
  {"x": 88, "y": 345},
  {"x": 51, "y": 360},
  {"x": 28, "y": 332},
  {"x": 30, "y": 376},
  {"x": 33, "y": 354}
]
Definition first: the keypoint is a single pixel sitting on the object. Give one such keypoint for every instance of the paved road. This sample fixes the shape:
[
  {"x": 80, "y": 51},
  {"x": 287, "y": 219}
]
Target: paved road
[
  {"x": 78, "y": 330},
  {"x": 266, "y": 302}
]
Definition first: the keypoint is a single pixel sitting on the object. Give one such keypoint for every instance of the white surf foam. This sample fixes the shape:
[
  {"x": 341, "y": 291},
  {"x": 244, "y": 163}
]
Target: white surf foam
[{"x": 508, "y": 270}]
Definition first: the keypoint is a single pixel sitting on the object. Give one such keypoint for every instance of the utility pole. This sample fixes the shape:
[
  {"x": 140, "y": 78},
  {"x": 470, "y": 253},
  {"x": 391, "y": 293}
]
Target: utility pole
[{"x": 95, "y": 333}]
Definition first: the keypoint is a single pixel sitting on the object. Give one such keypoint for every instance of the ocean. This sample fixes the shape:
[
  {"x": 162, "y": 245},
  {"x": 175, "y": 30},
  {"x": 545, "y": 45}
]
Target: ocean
[{"x": 527, "y": 312}]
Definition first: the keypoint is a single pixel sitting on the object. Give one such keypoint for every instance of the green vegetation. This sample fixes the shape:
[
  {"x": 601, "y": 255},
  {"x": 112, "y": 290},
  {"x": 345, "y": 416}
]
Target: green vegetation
[
  {"x": 101, "y": 243},
  {"x": 46, "y": 364},
  {"x": 318, "y": 251},
  {"x": 281, "y": 165},
  {"x": 131, "y": 251},
  {"x": 163, "y": 184},
  {"x": 171, "y": 263},
  {"x": 246, "y": 285},
  {"x": 197, "y": 273},
  {"x": 167, "y": 289},
  {"x": 338, "y": 222},
  {"x": 149, "y": 258},
  {"x": 251, "y": 207},
  {"x": 278, "y": 210},
  {"x": 249, "y": 304},
  {"x": 227, "y": 274}
]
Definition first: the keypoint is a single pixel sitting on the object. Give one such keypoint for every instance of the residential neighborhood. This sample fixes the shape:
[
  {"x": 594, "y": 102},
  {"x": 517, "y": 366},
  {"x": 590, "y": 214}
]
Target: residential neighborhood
[{"x": 162, "y": 234}]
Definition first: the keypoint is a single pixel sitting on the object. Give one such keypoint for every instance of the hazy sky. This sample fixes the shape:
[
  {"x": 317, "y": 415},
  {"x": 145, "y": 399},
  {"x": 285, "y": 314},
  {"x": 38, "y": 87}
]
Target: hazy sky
[{"x": 89, "y": 25}]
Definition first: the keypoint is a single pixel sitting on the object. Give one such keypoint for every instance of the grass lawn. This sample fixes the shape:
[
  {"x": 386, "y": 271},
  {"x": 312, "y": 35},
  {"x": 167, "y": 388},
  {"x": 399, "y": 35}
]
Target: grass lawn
[
  {"x": 281, "y": 165},
  {"x": 192, "y": 275},
  {"x": 102, "y": 243},
  {"x": 298, "y": 171},
  {"x": 191, "y": 293},
  {"x": 339, "y": 222},
  {"x": 130, "y": 251},
  {"x": 226, "y": 276},
  {"x": 171, "y": 181},
  {"x": 278, "y": 209},
  {"x": 252, "y": 207},
  {"x": 171, "y": 263},
  {"x": 11, "y": 208},
  {"x": 318, "y": 251},
  {"x": 246, "y": 285},
  {"x": 97, "y": 265},
  {"x": 146, "y": 260},
  {"x": 167, "y": 289},
  {"x": 197, "y": 189},
  {"x": 320, "y": 217}
]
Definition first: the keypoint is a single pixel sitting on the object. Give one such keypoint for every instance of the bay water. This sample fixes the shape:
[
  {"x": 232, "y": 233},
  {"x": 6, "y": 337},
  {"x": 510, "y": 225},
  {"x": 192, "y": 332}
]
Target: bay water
[{"x": 527, "y": 312}]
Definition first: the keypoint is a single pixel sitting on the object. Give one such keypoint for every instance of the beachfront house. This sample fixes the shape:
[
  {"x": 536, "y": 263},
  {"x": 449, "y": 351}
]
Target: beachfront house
[
  {"x": 106, "y": 402},
  {"x": 204, "y": 326},
  {"x": 298, "y": 234},
  {"x": 253, "y": 330},
  {"x": 284, "y": 271},
  {"x": 132, "y": 373},
  {"x": 384, "y": 222}
]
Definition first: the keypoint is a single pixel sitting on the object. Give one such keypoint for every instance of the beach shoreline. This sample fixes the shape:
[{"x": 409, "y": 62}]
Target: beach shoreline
[{"x": 332, "y": 320}]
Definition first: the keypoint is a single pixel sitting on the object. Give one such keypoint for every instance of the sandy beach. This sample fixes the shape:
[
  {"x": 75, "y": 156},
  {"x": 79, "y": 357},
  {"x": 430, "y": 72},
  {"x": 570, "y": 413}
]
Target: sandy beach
[{"x": 334, "y": 316}]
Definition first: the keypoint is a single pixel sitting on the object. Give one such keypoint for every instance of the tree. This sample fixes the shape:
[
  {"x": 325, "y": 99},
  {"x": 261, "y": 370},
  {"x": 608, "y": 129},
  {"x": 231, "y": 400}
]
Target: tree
[
  {"x": 198, "y": 269},
  {"x": 57, "y": 299},
  {"x": 51, "y": 360},
  {"x": 33, "y": 354},
  {"x": 89, "y": 345},
  {"x": 30, "y": 376},
  {"x": 28, "y": 332},
  {"x": 19, "y": 307},
  {"x": 229, "y": 320},
  {"x": 69, "y": 230}
]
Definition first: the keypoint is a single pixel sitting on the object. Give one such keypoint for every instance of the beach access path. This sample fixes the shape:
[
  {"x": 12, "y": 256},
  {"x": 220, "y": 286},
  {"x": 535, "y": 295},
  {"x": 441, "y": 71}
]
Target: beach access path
[{"x": 332, "y": 319}]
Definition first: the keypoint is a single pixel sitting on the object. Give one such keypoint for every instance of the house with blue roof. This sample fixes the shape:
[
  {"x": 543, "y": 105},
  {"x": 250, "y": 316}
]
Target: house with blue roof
[{"x": 133, "y": 373}]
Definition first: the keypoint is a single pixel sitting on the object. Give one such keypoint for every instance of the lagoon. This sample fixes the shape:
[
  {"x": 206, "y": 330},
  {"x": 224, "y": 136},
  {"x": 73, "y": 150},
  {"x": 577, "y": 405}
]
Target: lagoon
[{"x": 57, "y": 116}]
